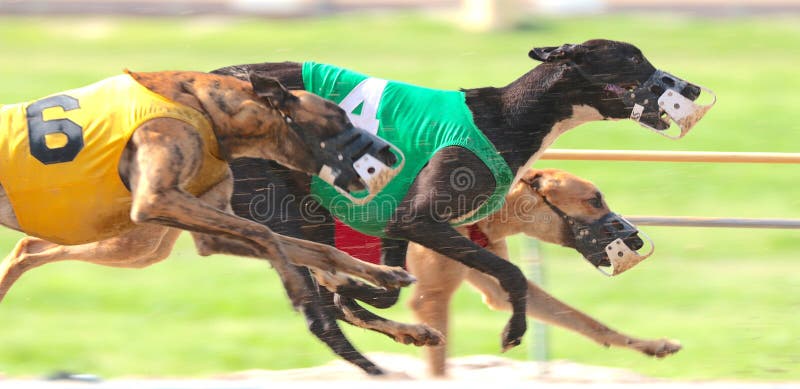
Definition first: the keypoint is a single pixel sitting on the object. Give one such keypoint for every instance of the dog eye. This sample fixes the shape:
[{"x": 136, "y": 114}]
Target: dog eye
[
  {"x": 596, "y": 202},
  {"x": 637, "y": 59}
]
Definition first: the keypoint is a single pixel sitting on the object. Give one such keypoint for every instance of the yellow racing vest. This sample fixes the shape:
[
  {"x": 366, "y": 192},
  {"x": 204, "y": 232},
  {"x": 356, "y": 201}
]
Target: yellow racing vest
[{"x": 59, "y": 157}]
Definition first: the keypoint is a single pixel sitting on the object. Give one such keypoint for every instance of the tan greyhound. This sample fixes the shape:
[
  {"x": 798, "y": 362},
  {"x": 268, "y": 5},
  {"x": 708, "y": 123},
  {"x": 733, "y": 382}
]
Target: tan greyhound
[{"x": 529, "y": 209}]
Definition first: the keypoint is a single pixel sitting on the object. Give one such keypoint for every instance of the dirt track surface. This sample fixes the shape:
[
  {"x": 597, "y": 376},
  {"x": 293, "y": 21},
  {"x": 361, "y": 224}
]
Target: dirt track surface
[{"x": 468, "y": 372}]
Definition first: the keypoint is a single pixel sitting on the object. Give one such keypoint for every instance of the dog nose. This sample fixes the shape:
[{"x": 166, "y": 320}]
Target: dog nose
[
  {"x": 634, "y": 242},
  {"x": 691, "y": 92}
]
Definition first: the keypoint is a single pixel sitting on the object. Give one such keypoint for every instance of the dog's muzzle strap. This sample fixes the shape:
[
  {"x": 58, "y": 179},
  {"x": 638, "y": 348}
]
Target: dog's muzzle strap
[
  {"x": 661, "y": 95},
  {"x": 356, "y": 154},
  {"x": 623, "y": 257},
  {"x": 605, "y": 238}
]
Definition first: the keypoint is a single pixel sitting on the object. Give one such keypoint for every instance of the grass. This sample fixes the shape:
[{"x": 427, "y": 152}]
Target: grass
[{"x": 731, "y": 296}]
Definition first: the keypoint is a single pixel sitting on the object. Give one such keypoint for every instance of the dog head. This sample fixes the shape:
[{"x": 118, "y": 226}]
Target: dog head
[
  {"x": 616, "y": 79},
  {"x": 331, "y": 147},
  {"x": 558, "y": 207}
]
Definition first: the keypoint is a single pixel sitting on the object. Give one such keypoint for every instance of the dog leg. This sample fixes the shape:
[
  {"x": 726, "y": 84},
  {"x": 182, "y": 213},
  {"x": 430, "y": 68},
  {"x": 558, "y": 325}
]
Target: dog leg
[
  {"x": 434, "y": 199},
  {"x": 304, "y": 295},
  {"x": 438, "y": 278},
  {"x": 167, "y": 155},
  {"x": 544, "y": 307},
  {"x": 510, "y": 277},
  {"x": 264, "y": 193},
  {"x": 417, "y": 334},
  {"x": 393, "y": 253},
  {"x": 138, "y": 248},
  {"x": 457, "y": 247},
  {"x": 349, "y": 311}
]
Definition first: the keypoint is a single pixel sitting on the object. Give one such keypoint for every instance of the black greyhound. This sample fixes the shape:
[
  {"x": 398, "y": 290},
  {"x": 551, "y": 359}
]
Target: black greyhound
[{"x": 576, "y": 83}]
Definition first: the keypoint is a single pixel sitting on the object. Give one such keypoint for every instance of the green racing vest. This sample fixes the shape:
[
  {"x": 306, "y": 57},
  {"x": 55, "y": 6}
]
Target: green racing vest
[{"x": 419, "y": 121}]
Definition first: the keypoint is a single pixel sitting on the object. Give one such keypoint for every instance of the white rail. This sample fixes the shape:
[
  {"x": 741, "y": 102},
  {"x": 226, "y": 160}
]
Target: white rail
[
  {"x": 670, "y": 156},
  {"x": 686, "y": 156},
  {"x": 692, "y": 221}
]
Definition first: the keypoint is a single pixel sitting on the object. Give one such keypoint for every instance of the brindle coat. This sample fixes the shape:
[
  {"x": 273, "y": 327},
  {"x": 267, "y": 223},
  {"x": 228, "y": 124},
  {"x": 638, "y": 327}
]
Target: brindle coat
[{"x": 163, "y": 157}]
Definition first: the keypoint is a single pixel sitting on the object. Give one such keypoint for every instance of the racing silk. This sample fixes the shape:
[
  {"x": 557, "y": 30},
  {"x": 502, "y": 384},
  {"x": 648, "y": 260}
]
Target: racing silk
[
  {"x": 419, "y": 121},
  {"x": 59, "y": 157}
]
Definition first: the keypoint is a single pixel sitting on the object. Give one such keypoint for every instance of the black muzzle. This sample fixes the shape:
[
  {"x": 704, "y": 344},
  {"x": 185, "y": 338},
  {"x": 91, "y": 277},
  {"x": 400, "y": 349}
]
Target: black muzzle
[
  {"x": 353, "y": 160},
  {"x": 663, "y": 97},
  {"x": 608, "y": 242}
]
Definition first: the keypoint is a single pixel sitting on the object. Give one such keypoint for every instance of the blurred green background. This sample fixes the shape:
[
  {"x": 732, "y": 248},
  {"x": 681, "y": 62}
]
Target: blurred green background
[{"x": 732, "y": 297}]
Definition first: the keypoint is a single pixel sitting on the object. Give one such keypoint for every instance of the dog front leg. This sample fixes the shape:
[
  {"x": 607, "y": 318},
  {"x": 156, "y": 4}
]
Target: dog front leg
[
  {"x": 168, "y": 154},
  {"x": 393, "y": 253},
  {"x": 174, "y": 208},
  {"x": 443, "y": 239},
  {"x": 544, "y": 307},
  {"x": 270, "y": 194}
]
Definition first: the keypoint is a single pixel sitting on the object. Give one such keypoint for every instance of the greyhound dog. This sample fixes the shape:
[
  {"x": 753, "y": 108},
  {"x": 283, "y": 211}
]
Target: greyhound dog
[
  {"x": 574, "y": 84},
  {"x": 535, "y": 207},
  {"x": 112, "y": 173},
  {"x": 544, "y": 204}
]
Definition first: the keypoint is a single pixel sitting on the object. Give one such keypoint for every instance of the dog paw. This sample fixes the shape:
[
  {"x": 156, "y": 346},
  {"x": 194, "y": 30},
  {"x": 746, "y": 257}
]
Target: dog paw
[
  {"x": 661, "y": 348},
  {"x": 374, "y": 371},
  {"x": 393, "y": 277},
  {"x": 394, "y": 376},
  {"x": 331, "y": 281},
  {"x": 513, "y": 332},
  {"x": 420, "y": 335}
]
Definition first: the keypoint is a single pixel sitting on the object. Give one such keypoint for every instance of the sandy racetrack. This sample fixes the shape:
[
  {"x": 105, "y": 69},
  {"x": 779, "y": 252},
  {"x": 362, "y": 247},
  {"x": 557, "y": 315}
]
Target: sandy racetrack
[{"x": 480, "y": 371}]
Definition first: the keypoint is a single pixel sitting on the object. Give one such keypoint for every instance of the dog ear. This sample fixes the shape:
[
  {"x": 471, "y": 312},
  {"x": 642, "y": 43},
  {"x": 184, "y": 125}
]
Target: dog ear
[
  {"x": 541, "y": 53},
  {"x": 542, "y": 184},
  {"x": 270, "y": 88},
  {"x": 534, "y": 181},
  {"x": 553, "y": 53}
]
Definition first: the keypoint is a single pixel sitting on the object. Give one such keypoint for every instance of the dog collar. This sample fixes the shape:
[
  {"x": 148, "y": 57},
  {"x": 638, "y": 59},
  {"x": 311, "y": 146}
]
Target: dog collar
[{"x": 477, "y": 235}]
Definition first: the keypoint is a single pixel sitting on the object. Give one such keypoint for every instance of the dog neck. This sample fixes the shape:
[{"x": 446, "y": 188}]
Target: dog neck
[
  {"x": 522, "y": 213},
  {"x": 523, "y": 118},
  {"x": 249, "y": 129},
  {"x": 243, "y": 124}
]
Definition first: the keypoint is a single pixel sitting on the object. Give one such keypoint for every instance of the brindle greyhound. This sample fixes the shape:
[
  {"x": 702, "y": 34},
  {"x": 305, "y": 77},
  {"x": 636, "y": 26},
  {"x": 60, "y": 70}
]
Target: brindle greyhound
[
  {"x": 575, "y": 84},
  {"x": 170, "y": 175},
  {"x": 535, "y": 206}
]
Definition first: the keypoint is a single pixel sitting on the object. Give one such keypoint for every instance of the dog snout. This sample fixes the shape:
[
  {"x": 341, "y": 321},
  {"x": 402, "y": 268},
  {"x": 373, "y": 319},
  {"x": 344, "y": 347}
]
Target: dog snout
[
  {"x": 691, "y": 92},
  {"x": 634, "y": 242}
]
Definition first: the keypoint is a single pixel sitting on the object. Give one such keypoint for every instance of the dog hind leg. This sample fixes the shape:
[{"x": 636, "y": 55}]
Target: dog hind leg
[
  {"x": 438, "y": 278},
  {"x": 417, "y": 334},
  {"x": 137, "y": 248},
  {"x": 304, "y": 296}
]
